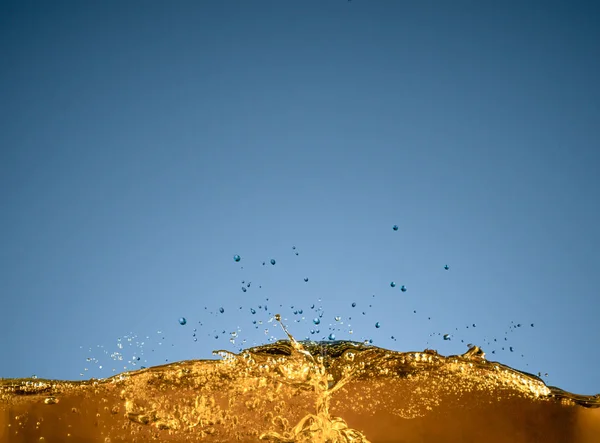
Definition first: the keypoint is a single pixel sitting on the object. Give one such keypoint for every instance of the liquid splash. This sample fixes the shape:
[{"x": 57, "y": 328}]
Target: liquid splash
[{"x": 292, "y": 391}]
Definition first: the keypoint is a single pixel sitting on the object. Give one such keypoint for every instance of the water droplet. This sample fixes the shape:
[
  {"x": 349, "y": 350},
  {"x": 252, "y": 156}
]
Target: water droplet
[
  {"x": 300, "y": 311},
  {"x": 332, "y": 336},
  {"x": 532, "y": 325},
  {"x": 243, "y": 289},
  {"x": 237, "y": 257},
  {"x": 252, "y": 311},
  {"x": 354, "y": 305},
  {"x": 395, "y": 227},
  {"x": 316, "y": 320},
  {"x": 221, "y": 310},
  {"x": 293, "y": 247},
  {"x": 446, "y": 267},
  {"x": 273, "y": 261},
  {"x": 305, "y": 278},
  {"x": 377, "y": 325},
  {"x": 446, "y": 336},
  {"x": 182, "y": 321},
  {"x": 393, "y": 284},
  {"x": 338, "y": 318},
  {"x": 403, "y": 288},
  {"x": 511, "y": 349}
]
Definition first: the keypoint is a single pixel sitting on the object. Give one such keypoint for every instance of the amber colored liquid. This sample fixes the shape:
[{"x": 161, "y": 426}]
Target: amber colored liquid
[{"x": 303, "y": 392}]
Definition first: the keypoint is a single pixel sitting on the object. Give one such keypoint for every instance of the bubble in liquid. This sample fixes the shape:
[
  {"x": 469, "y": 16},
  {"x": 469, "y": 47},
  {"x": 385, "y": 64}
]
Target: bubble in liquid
[
  {"x": 446, "y": 267},
  {"x": 332, "y": 336},
  {"x": 273, "y": 261},
  {"x": 377, "y": 325},
  {"x": 393, "y": 284},
  {"x": 182, "y": 321},
  {"x": 354, "y": 304},
  {"x": 221, "y": 310},
  {"x": 316, "y": 320},
  {"x": 395, "y": 227},
  {"x": 403, "y": 288},
  {"x": 305, "y": 279},
  {"x": 237, "y": 257}
]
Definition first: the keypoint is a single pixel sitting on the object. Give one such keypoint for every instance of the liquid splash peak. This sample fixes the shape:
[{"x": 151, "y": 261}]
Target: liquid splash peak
[{"x": 303, "y": 391}]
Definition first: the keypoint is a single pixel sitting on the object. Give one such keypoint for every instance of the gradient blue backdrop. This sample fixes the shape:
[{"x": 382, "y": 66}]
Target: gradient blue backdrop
[{"x": 143, "y": 144}]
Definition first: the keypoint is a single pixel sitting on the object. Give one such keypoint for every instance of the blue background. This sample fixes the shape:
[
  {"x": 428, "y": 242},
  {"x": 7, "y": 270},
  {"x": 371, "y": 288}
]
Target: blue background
[{"x": 143, "y": 144}]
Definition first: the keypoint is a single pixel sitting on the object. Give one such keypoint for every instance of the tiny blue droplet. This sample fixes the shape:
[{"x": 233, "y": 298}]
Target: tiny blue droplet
[
  {"x": 252, "y": 311},
  {"x": 316, "y": 320},
  {"x": 446, "y": 267},
  {"x": 273, "y": 261},
  {"x": 377, "y": 325},
  {"x": 354, "y": 305},
  {"x": 305, "y": 278},
  {"x": 395, "y": 227},
  {"x": 221, "y": 310},
  {"x": 237, "y": 257},
  {"x": 332, "y": 336},
  {"x": 403, "y": 288},
  {"x": 182, "y": 321},
  {"x": 393, "y": 284}
]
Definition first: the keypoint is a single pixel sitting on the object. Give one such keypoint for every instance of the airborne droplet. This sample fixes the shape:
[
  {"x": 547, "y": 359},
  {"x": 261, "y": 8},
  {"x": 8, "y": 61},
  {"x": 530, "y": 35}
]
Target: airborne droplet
[
  {"x": 393, "y": 284},
  {"x": 395, "y": 227},
  {"x": 305, "y": 278},
  {"x": 377, "y": 325},
  {"x": 237, "y": 257},
  {"x": 316, "y": 320},
  {"x": 446, "y": 267},
  {"x": 332, "y": 336},
  {"x": 403, "y": 288},
  {"x": 182, "y": 321},
  {"x": 221, "y": 310},
  {"x": 273, "y": 261}
]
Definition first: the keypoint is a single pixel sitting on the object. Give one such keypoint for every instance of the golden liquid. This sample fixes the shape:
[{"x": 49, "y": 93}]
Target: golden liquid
[{"x": 293, "y": 391}]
